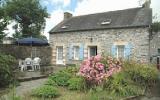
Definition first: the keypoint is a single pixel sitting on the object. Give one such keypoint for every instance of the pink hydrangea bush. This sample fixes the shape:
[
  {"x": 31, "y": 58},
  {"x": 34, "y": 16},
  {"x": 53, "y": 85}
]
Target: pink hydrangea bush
[{"x": 95, "y": 70}]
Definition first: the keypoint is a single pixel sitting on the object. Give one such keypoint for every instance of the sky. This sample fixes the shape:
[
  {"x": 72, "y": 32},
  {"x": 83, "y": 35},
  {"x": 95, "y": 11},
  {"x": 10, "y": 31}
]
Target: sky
[{"x": 56, "y": 8}]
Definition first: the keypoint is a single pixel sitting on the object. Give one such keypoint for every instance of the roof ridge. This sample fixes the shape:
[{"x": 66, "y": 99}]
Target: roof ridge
[{"x": 107, "y": 12}]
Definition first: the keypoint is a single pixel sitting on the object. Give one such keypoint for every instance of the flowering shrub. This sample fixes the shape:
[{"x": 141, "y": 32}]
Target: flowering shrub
[{"x": 97, "y": 68}]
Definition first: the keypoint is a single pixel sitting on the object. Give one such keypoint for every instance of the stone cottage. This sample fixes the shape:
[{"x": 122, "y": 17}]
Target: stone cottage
[{"x": 122, "y": 34}]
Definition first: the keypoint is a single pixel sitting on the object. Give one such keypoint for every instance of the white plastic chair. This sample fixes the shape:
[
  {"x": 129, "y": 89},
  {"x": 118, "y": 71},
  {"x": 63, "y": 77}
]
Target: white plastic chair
[
  {"x": 29, "y": 62},
  {"x": 22, "y": 65},
  {"x": 36, "y": 63}
]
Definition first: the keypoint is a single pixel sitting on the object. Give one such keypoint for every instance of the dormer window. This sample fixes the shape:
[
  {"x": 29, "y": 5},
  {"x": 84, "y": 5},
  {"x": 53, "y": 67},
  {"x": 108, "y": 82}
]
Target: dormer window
[
  {"x": 64, "y": 27},
  {"x": 106, "y": 22}
]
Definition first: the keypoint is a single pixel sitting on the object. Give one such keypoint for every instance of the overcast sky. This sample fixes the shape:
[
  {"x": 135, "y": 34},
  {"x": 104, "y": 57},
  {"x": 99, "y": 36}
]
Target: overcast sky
[{"x": 56, "y": 8}]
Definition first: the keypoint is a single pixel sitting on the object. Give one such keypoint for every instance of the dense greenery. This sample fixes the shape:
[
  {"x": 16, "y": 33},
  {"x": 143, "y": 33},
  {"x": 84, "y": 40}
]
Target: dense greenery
[
  {"x": 29, "y": 15},
  {"x": 76, "y": 83},
  {"x": 133, "y": 79},
  {"x": 46, "y": 91},
  {"x": 51, "y": 82},
  {"x": 143, "y": 74},
  {"x": 61, "y": 78},
  {"x": 156, "y": 26},
  {"x": 3, "y": 22},
  {"x": 7, "y": 66}
]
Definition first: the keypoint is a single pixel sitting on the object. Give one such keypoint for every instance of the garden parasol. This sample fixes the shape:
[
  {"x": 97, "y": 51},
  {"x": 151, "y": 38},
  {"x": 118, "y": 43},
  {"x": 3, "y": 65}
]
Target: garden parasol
[{"x": 31, "y": 41}]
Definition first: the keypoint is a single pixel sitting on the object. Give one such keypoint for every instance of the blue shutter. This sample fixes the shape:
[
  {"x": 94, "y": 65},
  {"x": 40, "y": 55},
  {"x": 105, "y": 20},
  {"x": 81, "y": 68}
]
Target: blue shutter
[
  {"x": 114, "y": 50},
  {"x": 70, "y": 52},
  {"x": 81, "y": 52},
  {"x": 127, "y": 50}
]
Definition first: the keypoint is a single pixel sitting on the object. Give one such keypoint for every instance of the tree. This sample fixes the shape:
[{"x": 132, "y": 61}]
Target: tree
[
  {"x": 3, "y": 22},
  {"x": 156, "y": 26},
  {"x": 29, "y": 14},
  {"x": 17, "y": 34}
]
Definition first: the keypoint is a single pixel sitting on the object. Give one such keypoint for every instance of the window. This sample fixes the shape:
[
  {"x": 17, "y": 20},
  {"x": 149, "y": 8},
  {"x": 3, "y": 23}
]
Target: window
[
  {"x": 120, "y": 51},
  {"x": 92, "y": 51},
  {"x": 106, "y": 22},
  {"x": 159, "y": 51},
  {"x": 76, "y": 52}
]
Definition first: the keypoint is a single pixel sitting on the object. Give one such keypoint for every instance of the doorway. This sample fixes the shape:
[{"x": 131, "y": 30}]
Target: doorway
[
  {"x": 92, "y": 51},
  {"x": 59, "y": 57}
]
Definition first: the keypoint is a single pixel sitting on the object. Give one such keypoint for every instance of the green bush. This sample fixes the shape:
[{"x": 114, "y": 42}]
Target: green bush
[
  {"x": 143, "y": 74},
  {"x": 51, "y": 82},
  {"x": 61, "y": 78},
  {"x": 134, "y": 79},
  {"x": 72, "y": 70},
  {"x": 7, "y": 66},
  {"x": 46, "y": 91},
  {"x": 121, "y": 85},
  {"x": 76, "y": 83}
]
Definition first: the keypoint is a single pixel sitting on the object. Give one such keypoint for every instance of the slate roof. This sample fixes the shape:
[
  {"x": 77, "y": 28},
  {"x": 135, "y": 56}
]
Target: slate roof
[{"x": 134, "y": 17}]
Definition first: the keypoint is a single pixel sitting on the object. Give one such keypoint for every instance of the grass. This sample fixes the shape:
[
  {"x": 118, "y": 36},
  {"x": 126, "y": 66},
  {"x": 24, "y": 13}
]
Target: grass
[{"x": 74, "y": 95}]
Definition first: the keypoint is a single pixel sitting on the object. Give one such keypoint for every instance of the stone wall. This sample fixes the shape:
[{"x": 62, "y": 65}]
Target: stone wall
[
  {"x": 155, "y": 45},
  {"x": 22, "y": 52},
  {"x": 103, "y": 39}
]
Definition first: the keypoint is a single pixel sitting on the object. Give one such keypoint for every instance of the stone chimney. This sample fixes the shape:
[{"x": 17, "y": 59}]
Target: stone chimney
[
  {"x": 146, "y": 4},
  {"x": 67, "y": 15}
]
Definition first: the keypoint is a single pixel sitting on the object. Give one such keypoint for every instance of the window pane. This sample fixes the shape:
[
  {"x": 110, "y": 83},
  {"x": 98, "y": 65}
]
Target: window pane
[
  {"x": 120, "y": 51},
  {"x": 60, "y": 53},
  {"x": 76, "y": 52}
]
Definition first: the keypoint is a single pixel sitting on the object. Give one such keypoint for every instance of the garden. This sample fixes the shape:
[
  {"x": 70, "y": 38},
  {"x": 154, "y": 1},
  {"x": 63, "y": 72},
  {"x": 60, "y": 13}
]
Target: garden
[
  {"x": 97, "y": 78},
  {"x": 100, "y": 78}
]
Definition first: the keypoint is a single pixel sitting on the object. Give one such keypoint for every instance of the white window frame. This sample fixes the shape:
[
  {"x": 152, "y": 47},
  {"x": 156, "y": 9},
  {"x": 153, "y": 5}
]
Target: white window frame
[
  {"x": 123, "y": 50},
  {"x": 76, "y": 52}
]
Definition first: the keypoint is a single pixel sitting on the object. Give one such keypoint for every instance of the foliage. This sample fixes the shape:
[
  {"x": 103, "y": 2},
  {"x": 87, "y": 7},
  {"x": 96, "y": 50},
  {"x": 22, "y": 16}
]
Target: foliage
[
  {"x": 7, "y": 66},
  {"x": 117, "y": 78},
  {"x": 29, "y": 14},
  {"x": 120, "y": 85},
  {"x": 3, "y": 23},
  {"x": 46, "y": 91},
  {"x": 17, "y": 34},
  {"x": 143, "y": 74},
  {"x": 51, "y": 82},
  {"x": 72, "y": 70},
  {"x": 61, "y": 78},
  {"x": 95, "y": 71},
  {"x": 122, "y": 79},
  {"x": 156, "y": 26},
  {"x": 134, "y": 79},
  {"x": 76, "y": 83}
]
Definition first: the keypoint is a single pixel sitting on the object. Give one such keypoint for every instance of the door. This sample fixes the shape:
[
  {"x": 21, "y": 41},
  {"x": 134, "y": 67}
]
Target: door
[
  {"x": 158, "y": 63},
  {"x": 59, "y": 57},
  {"x": 92, "y": 51}
]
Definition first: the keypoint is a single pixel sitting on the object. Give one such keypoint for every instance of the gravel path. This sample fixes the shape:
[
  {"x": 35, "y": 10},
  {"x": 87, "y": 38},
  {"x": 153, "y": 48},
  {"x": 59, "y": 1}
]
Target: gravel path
[
  {"x": 29, "y": 85},
  {"x": 25, "y": 87}
]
